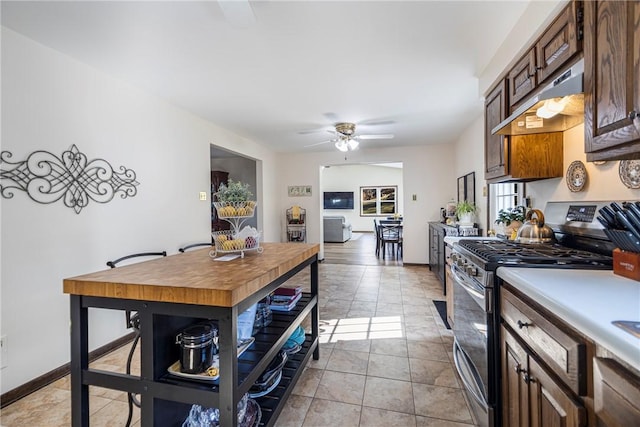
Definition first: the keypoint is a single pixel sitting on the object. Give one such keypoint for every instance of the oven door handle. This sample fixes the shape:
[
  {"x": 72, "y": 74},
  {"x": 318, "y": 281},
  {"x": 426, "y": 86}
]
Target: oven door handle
[
  {"x": 474, "y": 389},
  {"x": 472, "y": 288}
]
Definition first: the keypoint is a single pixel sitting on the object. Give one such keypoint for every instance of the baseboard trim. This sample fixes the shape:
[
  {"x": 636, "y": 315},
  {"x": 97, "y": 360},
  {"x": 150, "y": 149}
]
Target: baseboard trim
[{"x": 47, "y": 378}]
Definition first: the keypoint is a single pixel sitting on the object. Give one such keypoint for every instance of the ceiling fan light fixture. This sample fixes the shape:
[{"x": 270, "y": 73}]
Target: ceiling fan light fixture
[
  {"x": 345, "y": 128},
  {"x": 352, "y": 144},
  {"x": 342, "y": 145}
]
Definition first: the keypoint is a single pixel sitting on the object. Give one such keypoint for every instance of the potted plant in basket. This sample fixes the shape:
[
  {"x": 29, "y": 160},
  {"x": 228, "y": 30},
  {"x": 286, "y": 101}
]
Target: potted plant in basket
[
  {"x": 234, "y": 199},
  {"x": 465, "y": 212},
  {"x": 511, "y": 219}
]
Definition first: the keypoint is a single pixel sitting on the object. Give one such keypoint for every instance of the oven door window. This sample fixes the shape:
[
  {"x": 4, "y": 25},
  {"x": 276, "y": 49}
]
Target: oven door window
[{"x": 470, "y": 327}]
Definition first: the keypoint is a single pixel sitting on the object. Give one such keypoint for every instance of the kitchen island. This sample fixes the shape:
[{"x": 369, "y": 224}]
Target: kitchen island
[{"x": 173, "y": 292}]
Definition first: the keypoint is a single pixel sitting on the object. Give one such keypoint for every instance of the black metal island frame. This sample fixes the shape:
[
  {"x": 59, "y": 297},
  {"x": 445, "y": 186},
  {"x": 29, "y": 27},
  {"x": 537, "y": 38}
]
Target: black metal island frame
[{"x": 173, "y": 292}]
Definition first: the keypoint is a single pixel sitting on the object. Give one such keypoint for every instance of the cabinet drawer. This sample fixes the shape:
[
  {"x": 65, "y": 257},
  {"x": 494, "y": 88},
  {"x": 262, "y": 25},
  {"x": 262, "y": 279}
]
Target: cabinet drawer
[
  {"x": 616, "y": 398},
  {"x": 560, "y": 349}
]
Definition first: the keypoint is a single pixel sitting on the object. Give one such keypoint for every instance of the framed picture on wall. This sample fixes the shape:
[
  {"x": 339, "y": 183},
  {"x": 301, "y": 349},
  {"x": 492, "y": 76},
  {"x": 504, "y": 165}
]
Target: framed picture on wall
[
  {"x": 378, "y": 201},
  {"x": 470, "y": 187},
  {"x": 299, "y": 191},
  {"x": 467, "y": 188},
  {"x": 461, "y": 193}
]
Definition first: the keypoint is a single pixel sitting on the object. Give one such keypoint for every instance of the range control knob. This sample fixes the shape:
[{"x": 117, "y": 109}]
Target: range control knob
[
  {"x": 454, "y": 257},
  {"x": 460, "y": 262},
  {"x": 471, "y": 270}
]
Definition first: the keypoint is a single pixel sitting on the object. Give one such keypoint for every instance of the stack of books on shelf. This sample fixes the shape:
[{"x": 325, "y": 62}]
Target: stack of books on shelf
[{"x": 285, "y": 299}]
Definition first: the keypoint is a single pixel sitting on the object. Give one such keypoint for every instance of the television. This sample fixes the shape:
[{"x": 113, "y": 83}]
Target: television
[{"x": 338, "y": 199}]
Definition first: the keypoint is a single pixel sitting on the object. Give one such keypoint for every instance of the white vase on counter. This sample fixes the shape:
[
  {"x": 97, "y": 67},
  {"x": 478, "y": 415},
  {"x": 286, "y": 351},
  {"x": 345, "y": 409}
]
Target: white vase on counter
[{"x": 466, "y": 219}]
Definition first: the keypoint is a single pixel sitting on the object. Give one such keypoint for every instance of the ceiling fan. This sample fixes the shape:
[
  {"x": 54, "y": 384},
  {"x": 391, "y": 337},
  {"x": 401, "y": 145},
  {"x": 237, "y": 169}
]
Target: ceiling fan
[{"x": 345, "y": 138}]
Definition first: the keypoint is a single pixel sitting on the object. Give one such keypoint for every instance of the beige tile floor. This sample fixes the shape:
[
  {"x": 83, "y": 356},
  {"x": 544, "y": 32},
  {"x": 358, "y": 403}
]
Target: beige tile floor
[{"x": 385, "y": 360}]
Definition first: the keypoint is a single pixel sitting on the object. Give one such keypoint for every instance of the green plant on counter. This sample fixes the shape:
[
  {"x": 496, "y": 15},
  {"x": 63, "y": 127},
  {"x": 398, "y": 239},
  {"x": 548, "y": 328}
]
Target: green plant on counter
[
  {"x": 465, "y": 207},
  {"x": 234, "y": 191},
  {"x": 507, "y": 216}
]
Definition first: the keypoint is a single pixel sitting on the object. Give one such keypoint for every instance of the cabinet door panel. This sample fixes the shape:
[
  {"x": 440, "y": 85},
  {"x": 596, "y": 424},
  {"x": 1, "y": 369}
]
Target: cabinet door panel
[
  {"x": 612, "y": 40},
  {"x": 536, "y": 156},
  {"x": 558, "y": 44},
  {"x": 522, "y": 78},
  {"x": 551, "y": 406},
  {"x": 515, "y": 397},
  {"x": 495, "y": 146},
  {"x": 562, "y": 351},
  {"x": 616, "y": 394}
]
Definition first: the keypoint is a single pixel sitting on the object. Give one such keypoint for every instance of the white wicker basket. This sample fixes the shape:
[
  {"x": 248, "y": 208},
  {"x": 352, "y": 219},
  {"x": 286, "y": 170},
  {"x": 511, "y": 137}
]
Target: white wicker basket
[
  {"x": 226, "y": 242},
  {"x": 235, "y": 209}
]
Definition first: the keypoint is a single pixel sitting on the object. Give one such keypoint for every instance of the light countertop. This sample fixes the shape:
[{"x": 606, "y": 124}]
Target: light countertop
[
  {"x": 588, "y": 300},
  {"x": 451, "y": 240}
]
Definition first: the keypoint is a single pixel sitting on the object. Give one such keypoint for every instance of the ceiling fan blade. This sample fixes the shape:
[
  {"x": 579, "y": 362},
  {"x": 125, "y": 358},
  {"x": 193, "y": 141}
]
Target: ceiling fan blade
[
  {"x": 309, "y": 131},
  {"x": 320, "y": 143},
  {"x": 381, "y": 136},
  {"x": 376, "y": 122}
]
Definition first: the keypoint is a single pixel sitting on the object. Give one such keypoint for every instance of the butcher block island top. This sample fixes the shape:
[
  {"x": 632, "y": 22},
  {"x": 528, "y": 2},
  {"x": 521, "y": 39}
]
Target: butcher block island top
[{"x": 193, "y": 277}]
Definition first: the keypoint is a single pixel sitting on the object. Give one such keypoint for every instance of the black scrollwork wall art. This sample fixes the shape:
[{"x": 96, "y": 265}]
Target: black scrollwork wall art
[{"x": 47, "y": 178}]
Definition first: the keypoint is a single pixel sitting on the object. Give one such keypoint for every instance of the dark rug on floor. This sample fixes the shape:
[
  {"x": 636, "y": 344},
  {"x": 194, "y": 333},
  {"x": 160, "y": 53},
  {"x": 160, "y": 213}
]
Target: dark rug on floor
[{"x": 442, "y": 309}]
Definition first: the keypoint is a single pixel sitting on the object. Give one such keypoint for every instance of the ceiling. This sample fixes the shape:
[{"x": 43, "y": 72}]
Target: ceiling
[{"x": 285, "y": 73}]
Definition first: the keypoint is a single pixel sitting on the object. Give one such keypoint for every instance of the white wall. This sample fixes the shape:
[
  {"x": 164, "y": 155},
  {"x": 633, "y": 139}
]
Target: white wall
[
  {"x": 427, "y": 172},
  {"x": 469, "y": 149},
  {"x": 49, "y": 102},
  {"x": 351, "y": 178},
  {"x": 603, "y": 182}
]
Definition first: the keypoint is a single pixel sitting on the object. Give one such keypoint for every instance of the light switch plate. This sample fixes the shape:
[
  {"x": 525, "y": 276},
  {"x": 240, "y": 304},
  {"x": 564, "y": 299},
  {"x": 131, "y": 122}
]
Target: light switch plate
[{"x": 203, "y": 195}]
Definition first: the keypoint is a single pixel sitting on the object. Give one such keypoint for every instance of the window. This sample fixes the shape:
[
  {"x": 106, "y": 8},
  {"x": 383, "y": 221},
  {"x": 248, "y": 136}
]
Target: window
[
  {"x": 376, "y": 201},
  {"x": 505, "y": 196}
]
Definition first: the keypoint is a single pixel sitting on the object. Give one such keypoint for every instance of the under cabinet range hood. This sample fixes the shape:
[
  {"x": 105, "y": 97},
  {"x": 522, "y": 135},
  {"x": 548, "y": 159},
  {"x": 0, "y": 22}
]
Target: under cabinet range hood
[{"x": 557, "y": 107}]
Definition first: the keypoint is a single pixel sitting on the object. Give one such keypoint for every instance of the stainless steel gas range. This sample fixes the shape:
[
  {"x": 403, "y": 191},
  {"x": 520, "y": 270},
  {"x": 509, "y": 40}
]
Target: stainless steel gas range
[{"x": 582, "y": 244}]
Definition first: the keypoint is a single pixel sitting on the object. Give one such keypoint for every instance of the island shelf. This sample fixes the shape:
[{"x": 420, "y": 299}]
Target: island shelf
[{"x": 165, "y": 304}]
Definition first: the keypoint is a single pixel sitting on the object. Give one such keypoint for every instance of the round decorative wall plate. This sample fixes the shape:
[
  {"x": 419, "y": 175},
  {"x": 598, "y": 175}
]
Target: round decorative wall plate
[
  {"x": 629, "y": 172},
  {"x": 576, "y": 176}
]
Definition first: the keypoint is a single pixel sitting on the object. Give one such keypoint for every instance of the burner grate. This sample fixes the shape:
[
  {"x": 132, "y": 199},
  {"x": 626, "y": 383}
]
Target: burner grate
[{"x": 503, "y": 252}]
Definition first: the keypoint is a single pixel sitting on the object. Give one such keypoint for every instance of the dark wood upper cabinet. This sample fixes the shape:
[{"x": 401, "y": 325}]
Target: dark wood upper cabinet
[
  {"x": 560, "y": 42},
  {"x": 522, "y": 157},
  {"x": 522, "y": 77},
  {"x": 612, "y": 80},
  {"x": 495, "y": 146}
]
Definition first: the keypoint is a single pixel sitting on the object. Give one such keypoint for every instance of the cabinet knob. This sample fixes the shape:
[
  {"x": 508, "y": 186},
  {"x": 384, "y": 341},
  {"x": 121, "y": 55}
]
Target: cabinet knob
[
  {"x": 518, "y": 369},
  {"x": 633, "y": 115},
  {"x": 522, "y": 324},
  {"x": 527, "y": 378}
]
